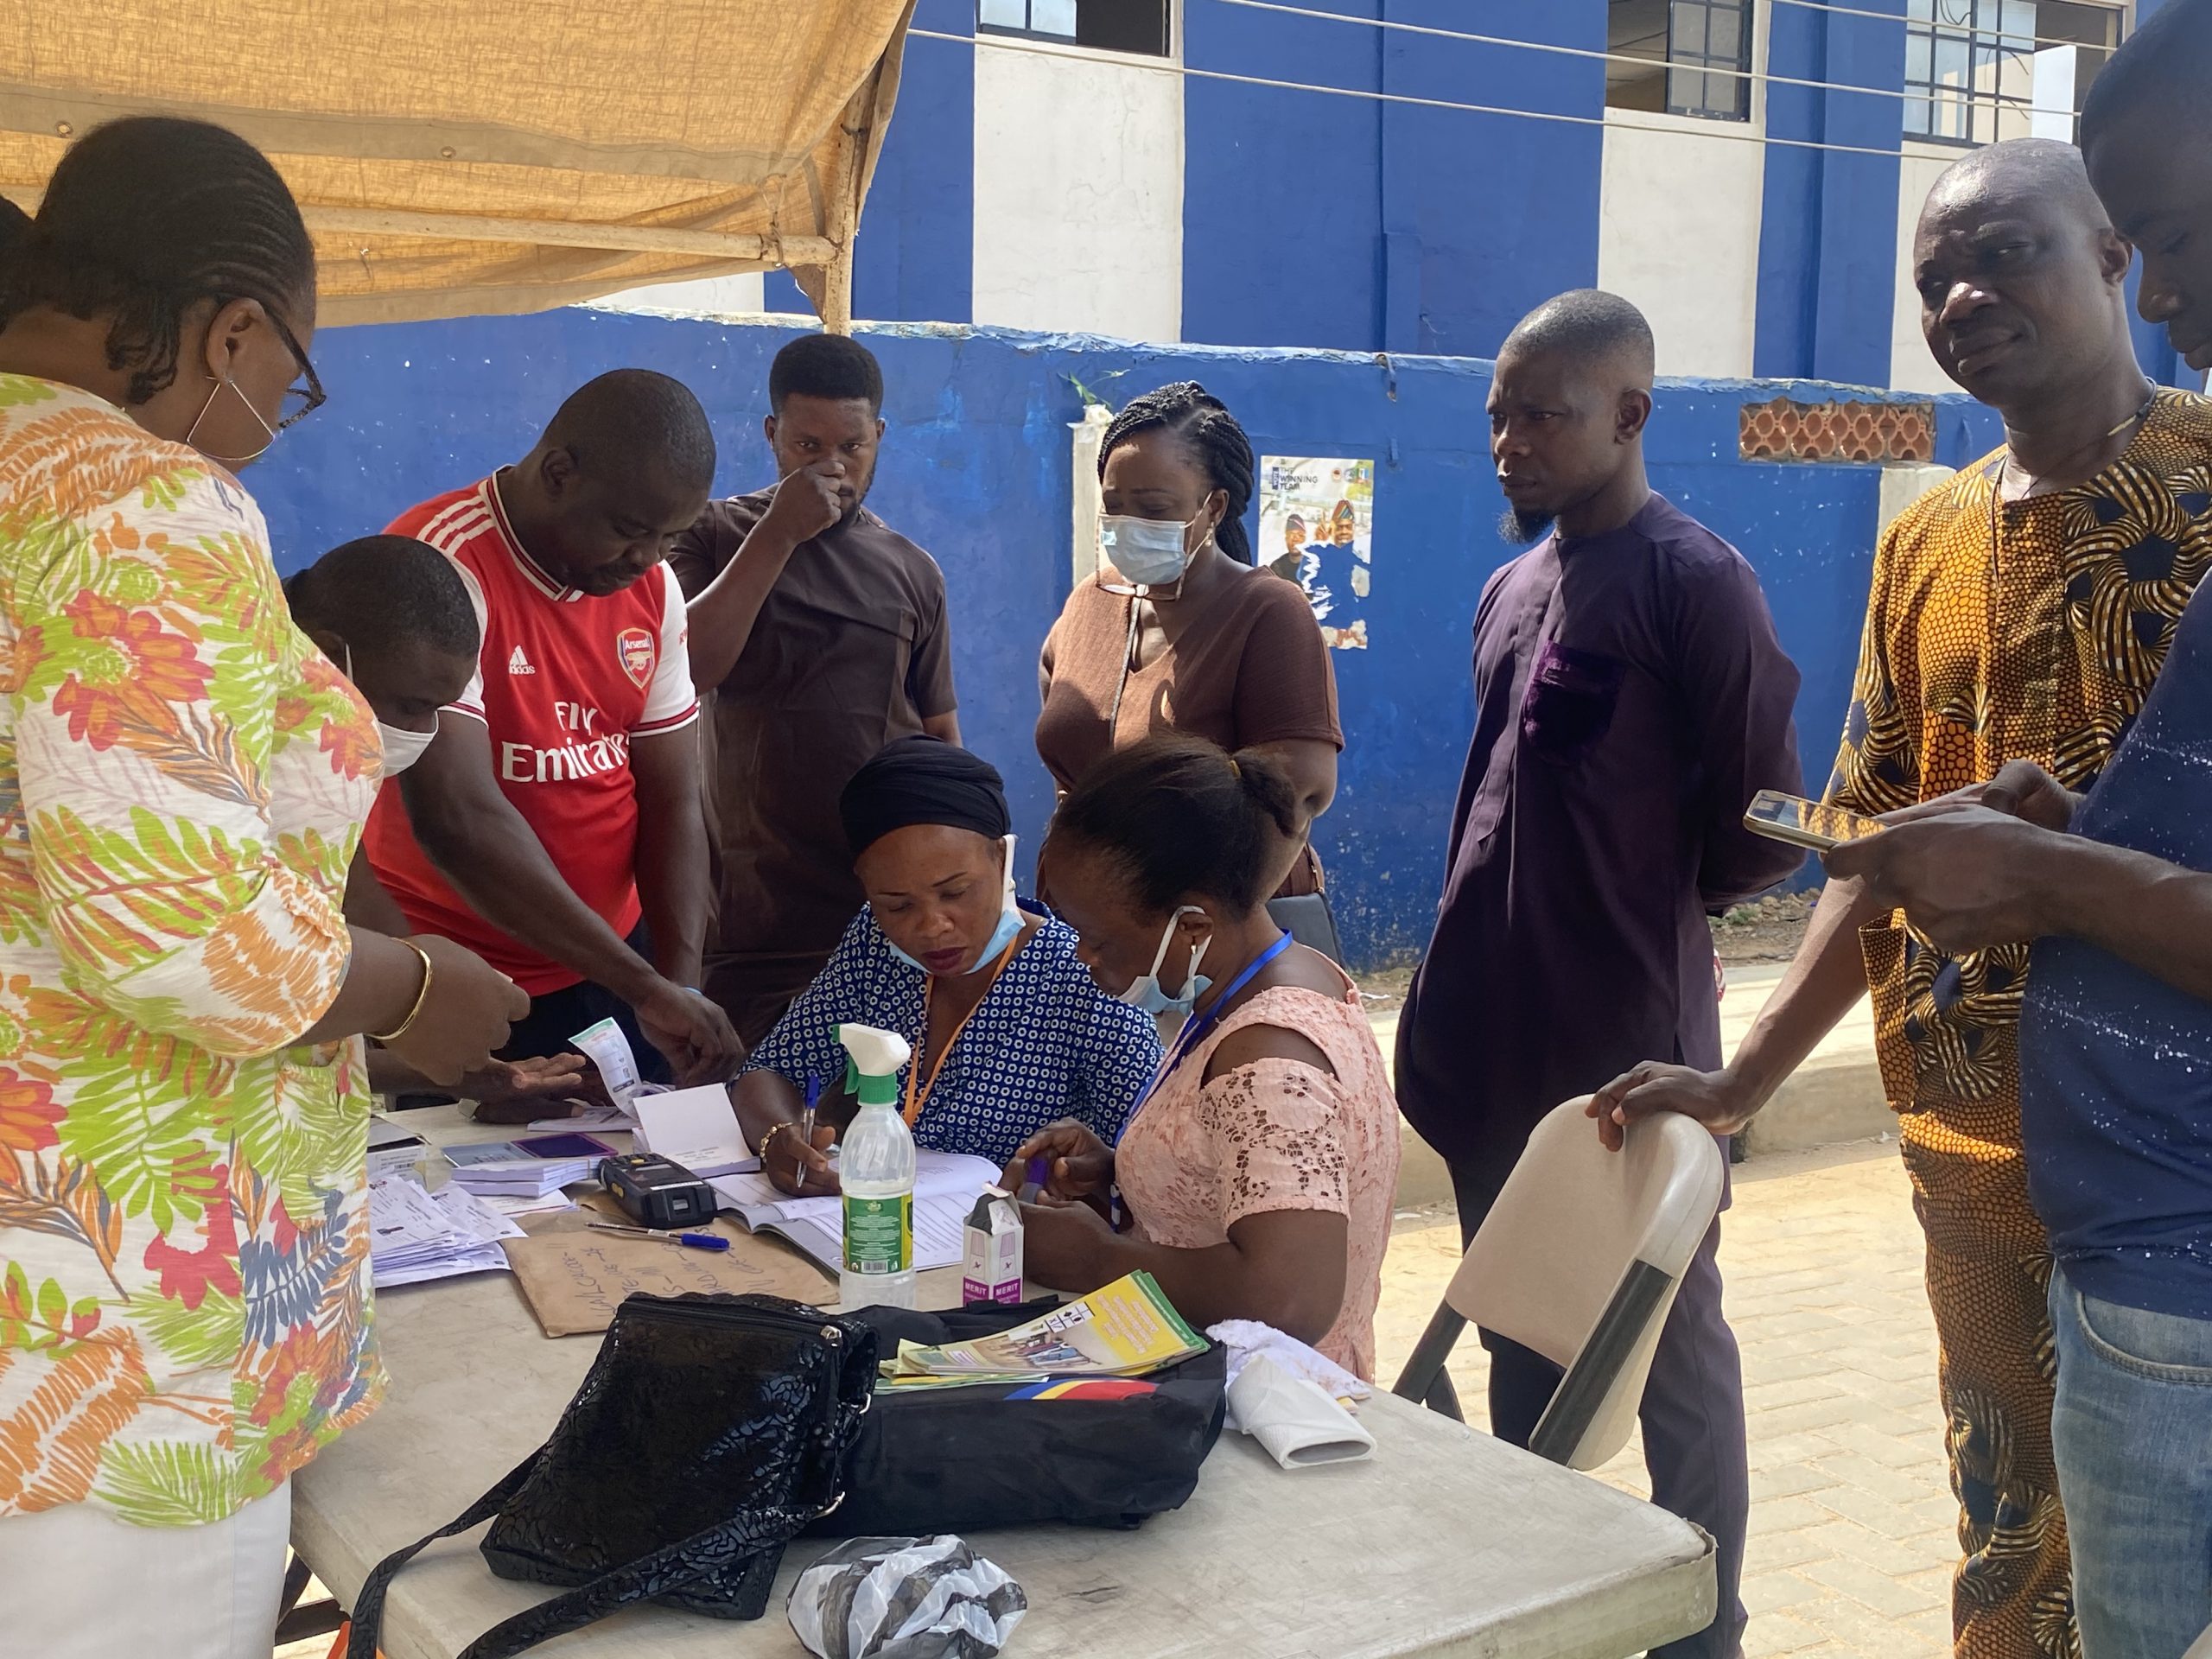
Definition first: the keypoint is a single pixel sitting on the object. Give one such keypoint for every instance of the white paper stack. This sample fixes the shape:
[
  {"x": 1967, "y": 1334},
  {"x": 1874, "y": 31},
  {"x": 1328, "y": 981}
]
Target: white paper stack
[
  {"x": 525, "y": 1178},
  {"x": 414, "y": 1235},
  {"x": 516, "y": 1209},
  {"x": 695, "y": 1128}
]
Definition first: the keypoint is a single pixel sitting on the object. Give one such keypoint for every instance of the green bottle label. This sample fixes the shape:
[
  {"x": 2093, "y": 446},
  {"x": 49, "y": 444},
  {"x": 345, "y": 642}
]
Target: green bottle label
[{"x": 880, "y": 1234}]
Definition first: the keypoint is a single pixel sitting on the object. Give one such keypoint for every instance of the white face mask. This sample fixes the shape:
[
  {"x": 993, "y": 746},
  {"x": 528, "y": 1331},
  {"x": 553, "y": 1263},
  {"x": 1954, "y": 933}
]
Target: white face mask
[
  {"x": 402, "y": 748},
  {"x": 1148, "y": 552},
  {"x": 1144, "y": 991}
]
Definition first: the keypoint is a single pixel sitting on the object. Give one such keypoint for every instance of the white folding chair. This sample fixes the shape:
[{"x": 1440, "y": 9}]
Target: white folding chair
[{"x": 1579, "y": 1260}]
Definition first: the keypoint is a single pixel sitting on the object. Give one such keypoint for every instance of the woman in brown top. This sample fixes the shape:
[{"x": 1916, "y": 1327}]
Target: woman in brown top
[{"x": 1177, "y": 631}]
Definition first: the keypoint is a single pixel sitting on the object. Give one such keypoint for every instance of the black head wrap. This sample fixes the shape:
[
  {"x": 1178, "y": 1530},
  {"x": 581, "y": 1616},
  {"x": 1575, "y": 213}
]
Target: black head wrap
[{"x": 923, "y": 780}]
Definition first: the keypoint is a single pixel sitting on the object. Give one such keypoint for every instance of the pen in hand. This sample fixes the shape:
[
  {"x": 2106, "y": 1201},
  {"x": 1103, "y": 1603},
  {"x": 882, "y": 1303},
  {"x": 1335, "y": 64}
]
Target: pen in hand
[{"x": 806, "y": 1124}]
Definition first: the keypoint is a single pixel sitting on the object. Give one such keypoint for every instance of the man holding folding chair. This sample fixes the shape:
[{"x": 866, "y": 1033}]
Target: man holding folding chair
[{"x": 1630, "y": 698}]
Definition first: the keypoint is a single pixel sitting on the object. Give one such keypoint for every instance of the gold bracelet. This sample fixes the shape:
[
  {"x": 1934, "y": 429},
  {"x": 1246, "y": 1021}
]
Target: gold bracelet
[
  {"x": 768, "y": 1139},
  {"x": 421, "y": 997}
]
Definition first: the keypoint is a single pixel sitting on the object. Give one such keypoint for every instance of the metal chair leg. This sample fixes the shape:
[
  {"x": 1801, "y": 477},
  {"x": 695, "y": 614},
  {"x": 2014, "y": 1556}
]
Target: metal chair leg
[
  {"x": 1425, "y": 1379},
  {"x": 296, "y": 1622},
  {"x": 296, "y": 1575}
]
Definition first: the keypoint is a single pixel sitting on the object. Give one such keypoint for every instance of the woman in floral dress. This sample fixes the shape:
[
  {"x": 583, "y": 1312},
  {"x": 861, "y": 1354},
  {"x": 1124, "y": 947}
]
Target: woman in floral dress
[{"x": 183, "y": 1250}]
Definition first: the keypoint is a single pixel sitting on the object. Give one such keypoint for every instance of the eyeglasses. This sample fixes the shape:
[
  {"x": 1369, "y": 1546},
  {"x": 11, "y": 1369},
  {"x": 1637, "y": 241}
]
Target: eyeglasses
[{"x": 300, "y": 401}]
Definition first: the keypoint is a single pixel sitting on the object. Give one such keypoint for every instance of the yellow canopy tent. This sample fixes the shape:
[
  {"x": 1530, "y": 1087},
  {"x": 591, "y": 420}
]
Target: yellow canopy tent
[{"x": 463, "y": 156}]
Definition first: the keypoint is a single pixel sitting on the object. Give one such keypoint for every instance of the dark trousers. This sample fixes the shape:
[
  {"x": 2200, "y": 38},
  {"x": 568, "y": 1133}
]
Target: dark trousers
[
  {"x": 555, "y": 1016},
  {"x": 1691, "y": 1416}
]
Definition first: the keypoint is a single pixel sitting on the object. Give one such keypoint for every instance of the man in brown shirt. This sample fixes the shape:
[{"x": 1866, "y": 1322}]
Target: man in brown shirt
[{"x": 818, "y": 635}]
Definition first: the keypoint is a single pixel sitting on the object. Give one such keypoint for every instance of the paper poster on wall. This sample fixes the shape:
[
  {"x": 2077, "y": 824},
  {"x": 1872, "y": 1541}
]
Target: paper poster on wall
[{"x": 1317, "y": 524}]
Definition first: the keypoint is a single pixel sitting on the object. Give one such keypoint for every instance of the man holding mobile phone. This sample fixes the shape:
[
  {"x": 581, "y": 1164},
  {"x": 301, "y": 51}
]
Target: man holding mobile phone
[
  {"x": 2019, "y": 612},
  {"x": 1630, "y": 697}
]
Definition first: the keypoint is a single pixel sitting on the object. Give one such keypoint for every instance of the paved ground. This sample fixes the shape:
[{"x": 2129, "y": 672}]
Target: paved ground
[{"x": 1852, "y": 1521}]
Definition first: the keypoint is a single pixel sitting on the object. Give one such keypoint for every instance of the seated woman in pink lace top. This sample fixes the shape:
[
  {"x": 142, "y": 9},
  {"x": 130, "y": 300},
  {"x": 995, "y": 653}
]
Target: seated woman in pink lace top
[{"x": 1258, "y": 1174}]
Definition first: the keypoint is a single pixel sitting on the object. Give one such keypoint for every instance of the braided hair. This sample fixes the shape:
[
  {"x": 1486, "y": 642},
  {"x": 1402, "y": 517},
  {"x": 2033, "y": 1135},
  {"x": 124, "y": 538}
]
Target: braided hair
[
  {"x": 148, "y": 216},
  {"x": 1202, "y": 423}
]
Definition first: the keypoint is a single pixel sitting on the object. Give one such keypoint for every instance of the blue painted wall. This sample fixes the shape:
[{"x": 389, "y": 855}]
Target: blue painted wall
[
  {"x": 1367, "y": 226},
  {"x": 1282, "y": 231},
  {"x": 975, "y": 468},
  {"x": 1829, "y": 223},
  {"x": 914, "y": 258},
  {"x": 1497, "y": 212}
]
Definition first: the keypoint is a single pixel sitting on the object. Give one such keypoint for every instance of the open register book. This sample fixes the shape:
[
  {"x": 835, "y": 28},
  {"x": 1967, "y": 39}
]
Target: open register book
[{"x": 946, "y": 1185}]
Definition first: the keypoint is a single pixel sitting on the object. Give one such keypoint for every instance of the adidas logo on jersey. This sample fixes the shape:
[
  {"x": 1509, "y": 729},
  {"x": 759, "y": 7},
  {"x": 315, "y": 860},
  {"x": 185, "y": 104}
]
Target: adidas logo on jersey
[{"x": 519, "y": 663}]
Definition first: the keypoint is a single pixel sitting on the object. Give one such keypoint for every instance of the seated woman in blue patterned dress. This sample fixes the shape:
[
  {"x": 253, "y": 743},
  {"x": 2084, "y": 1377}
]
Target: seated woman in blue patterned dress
[{"x": 1010, "y": 1033}]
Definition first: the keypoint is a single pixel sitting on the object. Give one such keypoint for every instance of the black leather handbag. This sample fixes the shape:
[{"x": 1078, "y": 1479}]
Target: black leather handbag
[{"x": 710, "y": 1431}]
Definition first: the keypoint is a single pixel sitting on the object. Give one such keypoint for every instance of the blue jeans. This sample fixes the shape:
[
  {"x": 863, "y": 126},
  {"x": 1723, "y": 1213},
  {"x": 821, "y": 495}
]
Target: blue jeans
[{"x": 2132, "y": 1432}]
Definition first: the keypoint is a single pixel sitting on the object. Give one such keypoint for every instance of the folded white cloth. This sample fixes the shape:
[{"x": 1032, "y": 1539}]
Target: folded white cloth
[
  {"x": 1245, "y": 1338},
  {"x": 1294, "y": 1418}
]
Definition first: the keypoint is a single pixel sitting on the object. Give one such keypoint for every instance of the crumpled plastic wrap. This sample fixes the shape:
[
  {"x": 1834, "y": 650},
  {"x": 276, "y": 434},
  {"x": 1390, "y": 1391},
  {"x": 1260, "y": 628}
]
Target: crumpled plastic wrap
[{"x": 905, "y": 1598}]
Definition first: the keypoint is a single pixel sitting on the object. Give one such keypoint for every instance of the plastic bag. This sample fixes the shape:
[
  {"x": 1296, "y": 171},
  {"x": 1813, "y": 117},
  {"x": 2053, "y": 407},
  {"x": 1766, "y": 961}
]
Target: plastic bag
[{"x": 905, "y": 1598}]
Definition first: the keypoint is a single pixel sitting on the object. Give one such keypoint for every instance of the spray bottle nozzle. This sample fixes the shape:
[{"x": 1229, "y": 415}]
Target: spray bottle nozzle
[{"x": 873, "y": 1059}]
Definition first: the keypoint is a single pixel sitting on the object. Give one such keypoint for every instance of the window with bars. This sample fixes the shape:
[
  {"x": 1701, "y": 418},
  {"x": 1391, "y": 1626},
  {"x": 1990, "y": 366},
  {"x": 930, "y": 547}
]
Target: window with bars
[
  {"x": 1139, "y": 25},
  {"x": 1977, "y": 71},
  {"x": 1699, "y": 52}
]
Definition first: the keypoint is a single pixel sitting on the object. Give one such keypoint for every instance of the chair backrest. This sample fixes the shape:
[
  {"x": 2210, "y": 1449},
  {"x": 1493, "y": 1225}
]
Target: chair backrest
[{"x": 1579, "y": 1260}]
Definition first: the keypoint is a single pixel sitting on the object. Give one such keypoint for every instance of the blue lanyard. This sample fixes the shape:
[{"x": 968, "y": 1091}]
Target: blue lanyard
[{"x": 1195, "y": 1029}]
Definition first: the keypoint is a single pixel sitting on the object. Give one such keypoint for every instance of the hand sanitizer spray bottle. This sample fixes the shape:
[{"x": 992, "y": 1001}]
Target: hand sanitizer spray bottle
[{"x": 876, "y": 1168}]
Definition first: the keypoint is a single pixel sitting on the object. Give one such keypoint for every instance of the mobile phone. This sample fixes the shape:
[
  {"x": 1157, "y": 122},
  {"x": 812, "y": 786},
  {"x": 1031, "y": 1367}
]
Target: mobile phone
[{"x": 1806, "y": 823}]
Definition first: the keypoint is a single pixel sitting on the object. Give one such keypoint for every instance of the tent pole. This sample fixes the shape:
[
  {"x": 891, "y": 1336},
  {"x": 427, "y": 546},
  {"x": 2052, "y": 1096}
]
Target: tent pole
[{"x": 837, "y": 289}]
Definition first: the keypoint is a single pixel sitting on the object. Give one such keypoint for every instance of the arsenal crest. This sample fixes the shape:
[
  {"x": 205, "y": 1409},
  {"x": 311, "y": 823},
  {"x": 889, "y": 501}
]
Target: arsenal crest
[{"x": 637, "y": 649}]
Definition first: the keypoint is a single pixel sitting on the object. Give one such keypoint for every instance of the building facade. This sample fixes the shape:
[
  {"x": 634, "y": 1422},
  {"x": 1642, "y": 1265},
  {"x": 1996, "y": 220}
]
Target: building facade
[
  {"x": 1080, "y": 199},
  {"x": 1412, "y": 175}
]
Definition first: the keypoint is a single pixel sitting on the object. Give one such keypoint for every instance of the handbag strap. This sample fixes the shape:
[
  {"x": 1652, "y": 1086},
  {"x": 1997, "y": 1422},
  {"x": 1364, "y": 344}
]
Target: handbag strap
[
  {"x": 670, "y": 1567},
  {"x": 367, "y": 1624}
]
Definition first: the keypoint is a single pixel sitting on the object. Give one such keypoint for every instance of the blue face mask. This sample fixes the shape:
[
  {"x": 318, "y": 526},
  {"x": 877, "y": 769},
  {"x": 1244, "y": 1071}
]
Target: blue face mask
[
  {"x": 1148, "y": 552},
  {"x": 1010, "y": 923},
  {"x": 1144, "y": 991}
]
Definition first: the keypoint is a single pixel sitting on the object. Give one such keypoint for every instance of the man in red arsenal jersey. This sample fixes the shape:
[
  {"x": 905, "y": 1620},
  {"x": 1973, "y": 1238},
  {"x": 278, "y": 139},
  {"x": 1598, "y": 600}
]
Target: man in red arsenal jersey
[{"x": 556, "y": 825}]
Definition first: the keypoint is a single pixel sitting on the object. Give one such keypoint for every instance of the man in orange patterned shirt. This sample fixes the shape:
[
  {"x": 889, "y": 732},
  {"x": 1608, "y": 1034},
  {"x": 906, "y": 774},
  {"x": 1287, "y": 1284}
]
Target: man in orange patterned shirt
[{"x": 2020, "y": 611}]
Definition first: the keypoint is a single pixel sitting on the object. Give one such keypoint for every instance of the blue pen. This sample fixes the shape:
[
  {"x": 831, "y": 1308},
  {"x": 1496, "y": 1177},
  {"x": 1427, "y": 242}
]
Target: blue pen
[
  {"x": 806, "y": 1124},
  {"x": 688, "y": 1241}
]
